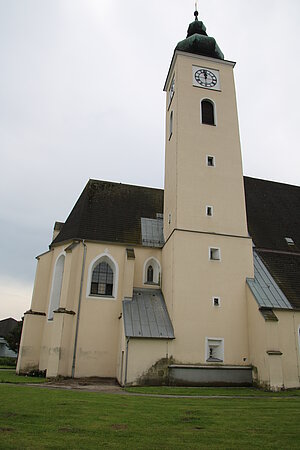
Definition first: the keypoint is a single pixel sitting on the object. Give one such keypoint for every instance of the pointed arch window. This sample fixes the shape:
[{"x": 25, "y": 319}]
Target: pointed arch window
[
  {"x": 102, "y": 279},
  {"x": 56, "y": 286},
  {"x": 207, "y": 112},
  {"x": 152, "y": 271}
]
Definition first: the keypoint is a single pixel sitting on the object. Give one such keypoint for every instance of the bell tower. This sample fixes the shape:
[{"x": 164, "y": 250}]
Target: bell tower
[{"x": 207, "y": 254}]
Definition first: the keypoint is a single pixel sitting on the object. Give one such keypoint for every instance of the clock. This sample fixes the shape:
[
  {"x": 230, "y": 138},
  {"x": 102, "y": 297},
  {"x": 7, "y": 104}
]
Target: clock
[{"x": 206, "y": 78}]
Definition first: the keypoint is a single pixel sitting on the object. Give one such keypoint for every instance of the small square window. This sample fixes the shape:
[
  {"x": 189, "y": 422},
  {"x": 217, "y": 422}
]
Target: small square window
[
  {"x": 216, "y": 301},
  {"x": 210, "y": 161},
  {"x": 214, "y": 254},
  {"x": 209, "y": 211}
]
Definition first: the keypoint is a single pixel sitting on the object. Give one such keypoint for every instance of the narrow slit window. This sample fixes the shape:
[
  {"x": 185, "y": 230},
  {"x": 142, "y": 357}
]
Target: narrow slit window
[
  {"x": 171, "y": 124},
  {"x": 210, "y": 161},
  {"x": 216, "y": 301},
  {"x": 207, "y": 112},
  {"x": 209, "y": 211}
]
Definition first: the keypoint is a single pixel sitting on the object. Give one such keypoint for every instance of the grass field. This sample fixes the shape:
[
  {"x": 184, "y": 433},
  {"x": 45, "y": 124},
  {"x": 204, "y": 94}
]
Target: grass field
[
  {"x": 207, "y": 391},
  {"x": 41, "y": 418},
  {"x": 9, "y": 376}
]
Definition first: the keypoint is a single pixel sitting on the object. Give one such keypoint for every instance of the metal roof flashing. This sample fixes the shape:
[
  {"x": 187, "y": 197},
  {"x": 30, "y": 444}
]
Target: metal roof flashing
[
  {"x": 193, "y": 55},
  {"x": 264, "y": 288}
]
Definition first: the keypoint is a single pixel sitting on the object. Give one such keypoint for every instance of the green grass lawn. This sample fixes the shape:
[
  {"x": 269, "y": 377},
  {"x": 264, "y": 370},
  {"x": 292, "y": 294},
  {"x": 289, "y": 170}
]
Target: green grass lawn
[
  {"x": 211, "y": 391},
  {"x": 32, "y": 418},
  {"x": 9, "y": 376}
]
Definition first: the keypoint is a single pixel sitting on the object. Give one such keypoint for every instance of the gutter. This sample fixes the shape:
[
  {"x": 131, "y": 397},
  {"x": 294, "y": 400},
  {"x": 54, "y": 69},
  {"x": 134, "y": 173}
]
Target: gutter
[
  {"x": 79, "y": 305},
  {"x": 126, "y": 361}
]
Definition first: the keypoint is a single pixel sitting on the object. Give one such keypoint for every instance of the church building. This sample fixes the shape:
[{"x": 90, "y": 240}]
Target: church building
[{"x": 197, "y": 284}]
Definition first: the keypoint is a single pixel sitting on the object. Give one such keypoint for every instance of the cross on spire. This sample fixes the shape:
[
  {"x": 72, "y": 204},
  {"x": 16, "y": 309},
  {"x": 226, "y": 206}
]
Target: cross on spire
[{"x": 196, "y": 10}]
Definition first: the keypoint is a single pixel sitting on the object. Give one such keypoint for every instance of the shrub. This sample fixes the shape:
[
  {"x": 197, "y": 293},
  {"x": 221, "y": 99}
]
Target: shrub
[{"x": 8, "y": 361}]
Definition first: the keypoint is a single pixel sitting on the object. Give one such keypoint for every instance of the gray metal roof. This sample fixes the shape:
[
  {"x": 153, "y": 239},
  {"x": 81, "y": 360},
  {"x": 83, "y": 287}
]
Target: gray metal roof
[
  {"x": 264, "y": 288},
  {"x": 146, "y": 315},
  {"x": 152, "y": 232}
]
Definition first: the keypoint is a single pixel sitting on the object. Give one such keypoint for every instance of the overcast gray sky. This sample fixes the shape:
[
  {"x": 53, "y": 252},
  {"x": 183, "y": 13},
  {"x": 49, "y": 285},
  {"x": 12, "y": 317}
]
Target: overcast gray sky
[{"x": 81, "y": 97}]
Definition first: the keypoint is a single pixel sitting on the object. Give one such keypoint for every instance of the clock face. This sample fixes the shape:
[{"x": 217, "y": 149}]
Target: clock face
[{"x": 206, "y": 78}]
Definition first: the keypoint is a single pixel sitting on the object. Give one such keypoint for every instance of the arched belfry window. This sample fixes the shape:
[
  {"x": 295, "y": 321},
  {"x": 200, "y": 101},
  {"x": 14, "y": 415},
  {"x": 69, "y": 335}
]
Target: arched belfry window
[
  {"x": 207, "y": 112},
  {"x": 56, "y": 286},
  {"x": 150, "y": 274},
  {"x": 152, "y": 271},
  {"x": 102, "y": 277}
]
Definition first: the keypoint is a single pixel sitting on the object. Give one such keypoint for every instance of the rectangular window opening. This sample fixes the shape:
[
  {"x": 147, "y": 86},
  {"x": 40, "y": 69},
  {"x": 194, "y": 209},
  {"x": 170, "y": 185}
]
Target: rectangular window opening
[
  {"x": 210, "y": 161},
  {"x": 214, "y": 254},
  {"x": 209, "y": 211},
  {"x": 214, "y": 350},
  {"x": 216, "y": 301}
]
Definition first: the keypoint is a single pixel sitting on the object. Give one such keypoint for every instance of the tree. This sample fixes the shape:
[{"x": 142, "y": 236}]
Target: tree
[{"x": 14, "y": 337}]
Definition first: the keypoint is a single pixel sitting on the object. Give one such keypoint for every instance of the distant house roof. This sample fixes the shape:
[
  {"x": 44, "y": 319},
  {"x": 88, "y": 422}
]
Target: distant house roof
[
  {"x": 6, "y": 326},
  {"x": 146, "y": 315}
]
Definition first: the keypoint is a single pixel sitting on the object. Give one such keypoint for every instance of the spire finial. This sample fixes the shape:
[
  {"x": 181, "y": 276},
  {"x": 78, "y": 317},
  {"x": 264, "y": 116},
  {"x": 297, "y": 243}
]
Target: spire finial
[{"x": 196, "y": 10}]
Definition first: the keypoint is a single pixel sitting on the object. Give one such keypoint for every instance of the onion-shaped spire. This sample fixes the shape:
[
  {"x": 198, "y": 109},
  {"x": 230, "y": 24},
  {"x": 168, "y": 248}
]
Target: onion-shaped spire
[{"x": 198, "y": 42}]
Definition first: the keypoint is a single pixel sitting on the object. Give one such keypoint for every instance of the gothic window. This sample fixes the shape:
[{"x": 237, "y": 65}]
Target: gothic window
[
  {"x": 150, "y": 274},
  {"x": 102, "y": 280},
  {"x": 207, "y": 112},
  {"x": 152, "y": 271},
  {"x": 56, "y": 286}
]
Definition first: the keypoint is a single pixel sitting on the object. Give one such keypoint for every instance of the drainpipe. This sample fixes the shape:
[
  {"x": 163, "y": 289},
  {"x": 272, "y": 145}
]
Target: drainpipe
[
  {"x": 126, "y": 361},
  {"x": 78, "y": 311}
]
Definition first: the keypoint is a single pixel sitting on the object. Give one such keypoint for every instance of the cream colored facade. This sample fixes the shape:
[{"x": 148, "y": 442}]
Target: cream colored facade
[{"x": 86, "y": 336}]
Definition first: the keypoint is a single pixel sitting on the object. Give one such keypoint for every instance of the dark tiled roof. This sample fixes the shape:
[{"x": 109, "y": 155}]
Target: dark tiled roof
[
  {"x": 273, "y": 214},
  {"x": 273, "y": 211},
  {"x": 111, "y": 212}
]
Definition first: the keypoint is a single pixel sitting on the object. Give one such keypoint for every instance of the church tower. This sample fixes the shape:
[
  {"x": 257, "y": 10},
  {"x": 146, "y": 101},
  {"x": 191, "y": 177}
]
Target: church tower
[{"x": 208, "y": 253}]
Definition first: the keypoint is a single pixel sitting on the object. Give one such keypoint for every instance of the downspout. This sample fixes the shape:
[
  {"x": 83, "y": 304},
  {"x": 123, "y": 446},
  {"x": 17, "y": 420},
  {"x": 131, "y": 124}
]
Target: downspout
[
  {"x": 78, "y": 311},
  {"x": 126, "y": 361}
]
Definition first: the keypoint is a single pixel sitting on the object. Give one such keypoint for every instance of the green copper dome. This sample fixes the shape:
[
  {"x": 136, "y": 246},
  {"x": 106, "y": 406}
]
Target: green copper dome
[{"x": 198, "y": 42}]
